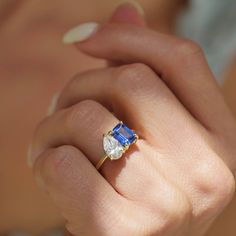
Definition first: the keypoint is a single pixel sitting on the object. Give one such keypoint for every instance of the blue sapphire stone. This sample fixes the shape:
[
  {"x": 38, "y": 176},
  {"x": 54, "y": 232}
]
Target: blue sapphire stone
[{"x": 123, "y": 134}]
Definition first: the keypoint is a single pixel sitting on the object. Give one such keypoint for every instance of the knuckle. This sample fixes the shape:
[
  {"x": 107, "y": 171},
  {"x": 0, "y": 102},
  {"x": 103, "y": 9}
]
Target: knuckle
[
  {"x": 132, "y": 74},
  {"x": 57, "y": 164},
  {"x": 175, "y": 212},
  {"x": 179, "y": 212},
  {"x": 87, "y": 112},
  {"x": 223, "y": 189},
  {"x": 135, "y": 79},
  {"x": 217, "y": 187}
]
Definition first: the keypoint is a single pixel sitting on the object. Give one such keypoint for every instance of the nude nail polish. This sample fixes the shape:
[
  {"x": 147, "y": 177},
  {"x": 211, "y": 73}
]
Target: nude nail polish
[
  {"x": 53, "y": 103},
  {"x": 80, "y": 33}
]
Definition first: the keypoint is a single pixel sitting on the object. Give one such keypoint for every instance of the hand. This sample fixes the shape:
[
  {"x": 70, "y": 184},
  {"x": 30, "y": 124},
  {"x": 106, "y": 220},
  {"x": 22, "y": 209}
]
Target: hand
[{"x": 178, "y": 178}]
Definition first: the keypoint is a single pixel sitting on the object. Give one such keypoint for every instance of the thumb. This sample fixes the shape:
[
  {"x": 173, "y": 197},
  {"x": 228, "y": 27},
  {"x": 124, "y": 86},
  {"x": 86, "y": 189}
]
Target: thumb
[{"x": 129, "y": 12}]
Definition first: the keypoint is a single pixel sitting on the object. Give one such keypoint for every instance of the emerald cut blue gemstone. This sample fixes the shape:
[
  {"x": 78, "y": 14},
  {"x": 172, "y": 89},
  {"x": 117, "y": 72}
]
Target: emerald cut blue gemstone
[{"x": 123, "y": 134}]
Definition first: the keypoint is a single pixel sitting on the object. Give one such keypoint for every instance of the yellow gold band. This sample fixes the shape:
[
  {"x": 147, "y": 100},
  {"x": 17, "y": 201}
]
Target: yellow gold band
[{"x": 102, "y": 160}]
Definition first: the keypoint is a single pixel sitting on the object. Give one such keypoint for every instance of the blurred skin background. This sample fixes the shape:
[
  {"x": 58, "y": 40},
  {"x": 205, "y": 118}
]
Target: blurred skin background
[{"x": 34, "y": 64}]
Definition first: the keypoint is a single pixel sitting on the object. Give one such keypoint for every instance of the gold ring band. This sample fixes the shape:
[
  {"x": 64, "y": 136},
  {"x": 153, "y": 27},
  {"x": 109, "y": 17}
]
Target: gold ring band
[{"x": 101, "y": 161}]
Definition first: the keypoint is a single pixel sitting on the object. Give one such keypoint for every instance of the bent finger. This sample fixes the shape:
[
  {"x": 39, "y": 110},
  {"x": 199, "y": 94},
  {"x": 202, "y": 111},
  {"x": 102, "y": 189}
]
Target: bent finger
[
  {"x": 180, "y": 63},
  {"x": 82, "y": 195},
  {"x": 135, "y": 94}
]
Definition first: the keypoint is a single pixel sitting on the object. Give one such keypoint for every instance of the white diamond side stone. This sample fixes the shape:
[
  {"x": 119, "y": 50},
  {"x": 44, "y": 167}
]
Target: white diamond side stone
[{"x": 112, "y": 147}]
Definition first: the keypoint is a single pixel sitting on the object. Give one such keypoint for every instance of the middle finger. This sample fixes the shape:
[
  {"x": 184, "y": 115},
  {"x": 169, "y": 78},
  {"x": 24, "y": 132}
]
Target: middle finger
[{"x": 133, "y": 93}]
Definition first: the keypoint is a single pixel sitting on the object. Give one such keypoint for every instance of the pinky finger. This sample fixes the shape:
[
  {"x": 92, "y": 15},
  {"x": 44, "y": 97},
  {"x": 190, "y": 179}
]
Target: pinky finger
[{"x": 83, "y": 196}]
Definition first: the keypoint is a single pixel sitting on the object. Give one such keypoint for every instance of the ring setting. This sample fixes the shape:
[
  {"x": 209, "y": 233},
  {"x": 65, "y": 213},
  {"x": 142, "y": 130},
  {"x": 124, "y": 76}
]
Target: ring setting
[{"x": 116, "y": 142}]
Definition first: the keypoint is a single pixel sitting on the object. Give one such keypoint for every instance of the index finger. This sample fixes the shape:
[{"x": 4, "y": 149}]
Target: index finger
[{"x": 180, "y": 63}]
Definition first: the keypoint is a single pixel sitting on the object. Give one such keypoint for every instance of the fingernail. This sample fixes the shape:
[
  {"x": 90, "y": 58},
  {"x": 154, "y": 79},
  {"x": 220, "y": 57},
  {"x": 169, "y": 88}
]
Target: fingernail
[
  {"x": 134, "y": 4},
  {"x": 80, "y": 33},
  {"x": 53, "y": 104}
]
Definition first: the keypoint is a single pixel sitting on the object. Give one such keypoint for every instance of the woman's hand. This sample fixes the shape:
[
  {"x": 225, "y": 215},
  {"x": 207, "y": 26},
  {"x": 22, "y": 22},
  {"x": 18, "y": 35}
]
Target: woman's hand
[{"x": 178, "y": 178}]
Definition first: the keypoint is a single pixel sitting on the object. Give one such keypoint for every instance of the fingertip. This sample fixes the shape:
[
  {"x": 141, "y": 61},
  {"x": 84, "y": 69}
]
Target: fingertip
[
  {"x": 129, "y": 12},
  {"x": 80, "y": 33},
  {"x": 134, "y": 4}
]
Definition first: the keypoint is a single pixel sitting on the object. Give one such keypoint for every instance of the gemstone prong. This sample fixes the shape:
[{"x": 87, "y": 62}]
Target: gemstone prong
[{"x": 137, "y": 137}]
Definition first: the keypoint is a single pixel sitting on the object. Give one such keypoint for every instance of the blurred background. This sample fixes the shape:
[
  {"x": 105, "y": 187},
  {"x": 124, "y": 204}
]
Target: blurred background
[{"x": 34, "y": 64}]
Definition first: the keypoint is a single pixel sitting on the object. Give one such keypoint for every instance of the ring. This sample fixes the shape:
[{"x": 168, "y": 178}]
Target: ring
[{"x": 116, "y": 142}]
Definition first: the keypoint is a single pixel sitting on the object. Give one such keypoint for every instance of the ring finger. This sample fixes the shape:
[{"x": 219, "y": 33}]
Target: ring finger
[
  {"x": 83, "y": 126},
  {"x": 158, "y": 204}
]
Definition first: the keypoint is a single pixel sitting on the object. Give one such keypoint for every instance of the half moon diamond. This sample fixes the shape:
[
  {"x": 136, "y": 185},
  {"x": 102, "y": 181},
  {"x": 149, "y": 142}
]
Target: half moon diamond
[{"x": 112, "y": 147}]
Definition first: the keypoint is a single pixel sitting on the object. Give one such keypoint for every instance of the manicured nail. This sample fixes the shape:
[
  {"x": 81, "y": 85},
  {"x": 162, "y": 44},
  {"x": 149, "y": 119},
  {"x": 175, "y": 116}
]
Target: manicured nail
[
  {"x": 134, "y": 4},
  {"x": 53, "y": 104},
  {"x": 80, "y": 33}
]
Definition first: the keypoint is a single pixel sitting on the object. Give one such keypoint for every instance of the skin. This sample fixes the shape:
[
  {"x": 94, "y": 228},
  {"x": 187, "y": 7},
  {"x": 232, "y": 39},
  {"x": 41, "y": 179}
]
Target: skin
[
  {"x": 225, "y": 223},
  {"x": 45, "y": 69},
  {"x": 40, "y": 111},
  {"x": 189, "y": 171}
]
